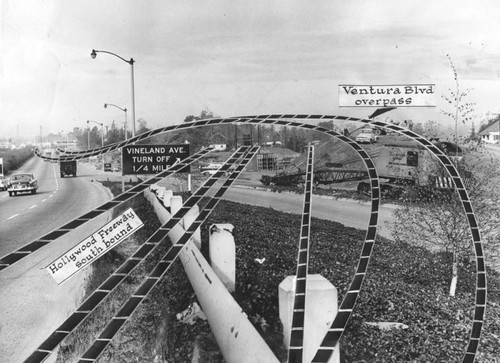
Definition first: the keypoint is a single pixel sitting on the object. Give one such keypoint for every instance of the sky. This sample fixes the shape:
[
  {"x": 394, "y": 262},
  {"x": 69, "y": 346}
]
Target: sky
[{"x": 235, "y": 58}]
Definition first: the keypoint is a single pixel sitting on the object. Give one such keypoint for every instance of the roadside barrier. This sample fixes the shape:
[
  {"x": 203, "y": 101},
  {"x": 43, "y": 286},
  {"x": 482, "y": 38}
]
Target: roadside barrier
[
  {"x": 345, "y": 310},
  {"x": 118, "y": 276},
  {"x": 160, "y": 270}
]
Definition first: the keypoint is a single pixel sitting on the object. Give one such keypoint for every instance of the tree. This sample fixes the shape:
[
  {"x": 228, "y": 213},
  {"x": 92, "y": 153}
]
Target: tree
[
  {"x": 431, "y": 129},
  {"x": 473, "y": 134},
  {"x": 418, "y": 128},
  {"x": 198, "y": 136},
  {"x": 143, "y": 126},
  {"x": 114, "y": 135},
  {"x": 435, "y": 218},
  {"x": 461, "y": 111}
]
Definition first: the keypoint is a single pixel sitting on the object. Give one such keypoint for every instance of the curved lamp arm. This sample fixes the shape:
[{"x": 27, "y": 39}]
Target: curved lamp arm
[
  {"x": 110, "y": 104},
  {"x": 94, "y": 54}
]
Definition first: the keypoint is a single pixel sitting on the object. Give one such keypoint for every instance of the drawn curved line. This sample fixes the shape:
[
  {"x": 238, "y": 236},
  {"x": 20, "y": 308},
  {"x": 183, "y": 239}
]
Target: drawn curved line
[
  {"x": 372, "y": 174},
  {"x": 289, "y": 120},
  {"x": 27, "y": 249}
]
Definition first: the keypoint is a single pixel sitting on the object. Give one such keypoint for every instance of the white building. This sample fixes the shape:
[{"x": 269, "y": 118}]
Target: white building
[{"x": 491, "y": 134}]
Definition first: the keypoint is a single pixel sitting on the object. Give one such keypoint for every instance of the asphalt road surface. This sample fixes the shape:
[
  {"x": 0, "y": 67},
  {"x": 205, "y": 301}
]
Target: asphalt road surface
[
  {"x": 350, "y": 213},
  {"x": 32, "y": 304}
]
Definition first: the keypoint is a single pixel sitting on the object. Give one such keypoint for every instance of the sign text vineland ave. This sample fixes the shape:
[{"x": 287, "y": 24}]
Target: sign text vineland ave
[
  {"x": 152, "y": 159},
  {"x": 405, "y": 95},
  {"x": 94, "y": 246}
]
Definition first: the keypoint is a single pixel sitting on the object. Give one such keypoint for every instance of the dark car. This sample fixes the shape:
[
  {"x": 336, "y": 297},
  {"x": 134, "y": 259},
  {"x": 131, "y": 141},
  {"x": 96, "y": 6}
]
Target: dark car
[
  {"x": 67, "y": 168},
  {"x": 22, "y": 183}
]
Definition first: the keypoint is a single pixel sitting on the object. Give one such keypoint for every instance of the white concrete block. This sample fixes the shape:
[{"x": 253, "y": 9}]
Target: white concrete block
[
  {"x": 222, "y": 250},
  {"x": 320, "y": 310},
  {"x": 160, "y": 191},
  {"x": 167, "y": 197},
  {"x": 175, "y": 204}
]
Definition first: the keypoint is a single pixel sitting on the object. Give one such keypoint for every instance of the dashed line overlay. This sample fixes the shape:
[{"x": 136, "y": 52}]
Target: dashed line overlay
[
  {"x": 146, "y": 249},
  {"x": 296, "y": 344},
  {"x": 31, "y": 247},
  {"x": 161, "y": 268},
  {"x": 290, "y": 120}
]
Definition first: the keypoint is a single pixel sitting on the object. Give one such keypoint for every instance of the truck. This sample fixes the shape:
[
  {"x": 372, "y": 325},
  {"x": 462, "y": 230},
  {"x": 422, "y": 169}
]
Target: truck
[
  {"x": 67, "y": 168},
  {"x": 400, "y": 164}
]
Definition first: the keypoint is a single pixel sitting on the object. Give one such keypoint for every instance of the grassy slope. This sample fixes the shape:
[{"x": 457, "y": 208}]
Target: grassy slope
[{"x": 405, "y": 284}]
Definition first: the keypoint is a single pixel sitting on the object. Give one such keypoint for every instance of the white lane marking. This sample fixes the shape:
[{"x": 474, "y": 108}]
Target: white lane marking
[
  {"x": 55, "y": 176},
  {"x": 34, "y": 206}
]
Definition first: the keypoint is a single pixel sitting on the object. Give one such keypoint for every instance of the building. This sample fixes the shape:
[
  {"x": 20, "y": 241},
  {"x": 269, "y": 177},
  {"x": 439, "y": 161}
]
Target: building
[
  {"x": 491, "y": 134},
  {"x": 218, "y": 141},
  {"x": 275, "y": 158}
]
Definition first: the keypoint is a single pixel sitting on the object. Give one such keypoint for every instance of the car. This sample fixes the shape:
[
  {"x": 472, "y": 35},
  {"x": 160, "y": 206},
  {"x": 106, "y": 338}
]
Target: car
[
  {"x": 210, "y": 169},
  {"x": 22, "y": 183},
  {"x": 366, "y": 136},
  {"x": 4, "y": 182}
]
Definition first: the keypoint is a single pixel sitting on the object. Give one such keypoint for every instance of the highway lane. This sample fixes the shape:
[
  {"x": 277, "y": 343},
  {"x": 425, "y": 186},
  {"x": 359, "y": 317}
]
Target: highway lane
[
  {"x": 57, "y": 201},
  {"x": 350, "y": 213},
  {"x": 26, "y": 209},
  {"x": 32, "y": 305}
]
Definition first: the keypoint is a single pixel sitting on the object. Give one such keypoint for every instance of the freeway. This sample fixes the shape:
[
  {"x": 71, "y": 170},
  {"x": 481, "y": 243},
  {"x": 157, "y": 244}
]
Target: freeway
[
  {"x": 32, "y": 304},
  {"x": 350, "y": 213}
]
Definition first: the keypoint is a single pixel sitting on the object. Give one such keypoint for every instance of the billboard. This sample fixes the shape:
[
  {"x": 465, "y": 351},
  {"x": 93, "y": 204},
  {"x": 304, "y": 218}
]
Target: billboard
[
  {"x": 152, "y": 159},
  {"x": 399, "y": 95}
]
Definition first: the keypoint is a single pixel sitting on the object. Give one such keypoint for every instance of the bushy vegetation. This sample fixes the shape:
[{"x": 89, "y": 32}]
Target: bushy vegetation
[
  {"x": 405, "y": 283},
  {"x": 13, "y": 159}
]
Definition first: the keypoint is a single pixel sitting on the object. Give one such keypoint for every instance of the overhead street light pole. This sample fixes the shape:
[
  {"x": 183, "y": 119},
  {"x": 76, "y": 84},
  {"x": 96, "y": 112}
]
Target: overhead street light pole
[
  {"x": 131, "y": 62},
  {"x": 124, "y": 110},
  {"x": 125, "y": 128},
  {"x": 102, "y": 131}
]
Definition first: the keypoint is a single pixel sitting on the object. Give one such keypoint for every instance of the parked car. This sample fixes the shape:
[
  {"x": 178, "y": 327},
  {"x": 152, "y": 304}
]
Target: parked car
[
  {"x": 22, "y": 183},
  {"x": 366, "y": 136},
  {"x": 4, "y": 182}
]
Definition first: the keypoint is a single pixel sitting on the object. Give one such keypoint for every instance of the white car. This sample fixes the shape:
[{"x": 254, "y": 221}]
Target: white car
[
  {"x": 366, "y": 136},
  {"x": 210, "y": 169},
  {"x": 4, "y": 183},
  {"x": 22, "y": 183}
]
